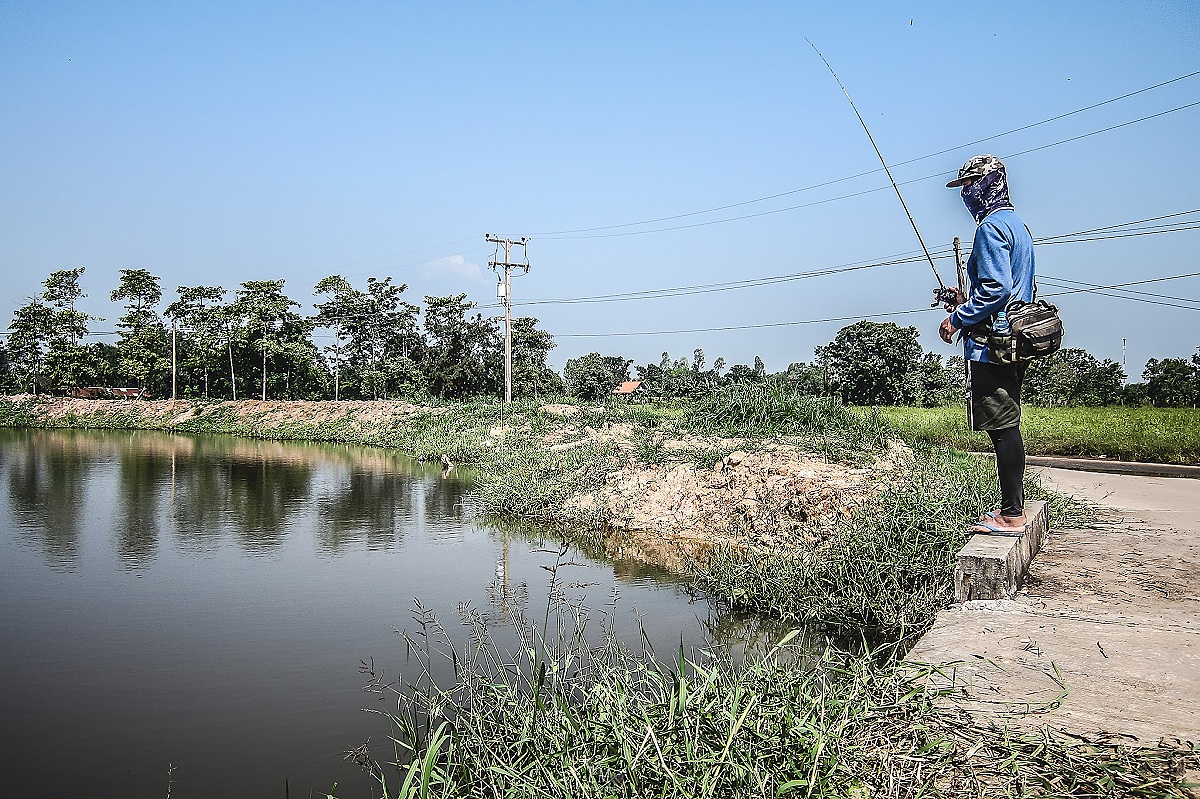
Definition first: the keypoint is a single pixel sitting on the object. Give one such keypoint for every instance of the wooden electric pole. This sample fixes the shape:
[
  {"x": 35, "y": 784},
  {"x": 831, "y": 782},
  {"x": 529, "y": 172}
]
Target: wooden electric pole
[{"x": 504, "y": 291}]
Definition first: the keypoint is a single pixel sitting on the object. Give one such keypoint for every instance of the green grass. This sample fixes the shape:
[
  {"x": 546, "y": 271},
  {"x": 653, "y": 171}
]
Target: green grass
[
  {"x": 572, "y": 712},
  {"x": 763, "y": 411},
  {"x": 1155, "y": 435}
]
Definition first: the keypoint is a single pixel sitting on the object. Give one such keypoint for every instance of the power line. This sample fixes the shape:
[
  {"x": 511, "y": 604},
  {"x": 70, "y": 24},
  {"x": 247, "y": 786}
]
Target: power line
[
  {"x": 1066, "y": 283},
  {"x": 1173, "y": 229},
  {"x": 911, "y": 256},
  {"x": 863, "y": 192},
  {"x": 1098, "y": 289},
  {"x": 746, "y": 327},
  {"x": 1104, "y": 130},
  {"x": 1103, "y": 290},
  {"x": 1089, "y": 288},
  {"x": 1124, "y": 224},
  {"x": 873, "y": 171}
]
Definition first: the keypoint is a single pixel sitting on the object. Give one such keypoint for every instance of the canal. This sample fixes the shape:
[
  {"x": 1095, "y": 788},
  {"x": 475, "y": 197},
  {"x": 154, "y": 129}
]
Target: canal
[{"x": 186, "y": 616}]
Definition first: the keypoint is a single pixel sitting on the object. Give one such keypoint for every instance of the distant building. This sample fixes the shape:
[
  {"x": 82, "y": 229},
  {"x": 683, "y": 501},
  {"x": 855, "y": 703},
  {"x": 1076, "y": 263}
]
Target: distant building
[
  {"x": 104, "y": 392},
  {"x": 627, "y": 388}
]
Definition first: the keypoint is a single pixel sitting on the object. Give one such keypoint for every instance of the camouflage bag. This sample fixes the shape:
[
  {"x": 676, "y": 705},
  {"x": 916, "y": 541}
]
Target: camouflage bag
[
  {"x": 1035, "y": 331},
  {"x": 1036, "y": 327}
]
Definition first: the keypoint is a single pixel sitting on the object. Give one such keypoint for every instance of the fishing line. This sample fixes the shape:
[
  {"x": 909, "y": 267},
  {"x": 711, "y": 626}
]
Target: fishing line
[
  {"x": 873, "y": 171},
  {"x": 940, "y": 295}
]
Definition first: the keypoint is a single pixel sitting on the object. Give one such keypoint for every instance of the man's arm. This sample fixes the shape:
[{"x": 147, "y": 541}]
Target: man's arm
[{"x": 992, "y": 254}]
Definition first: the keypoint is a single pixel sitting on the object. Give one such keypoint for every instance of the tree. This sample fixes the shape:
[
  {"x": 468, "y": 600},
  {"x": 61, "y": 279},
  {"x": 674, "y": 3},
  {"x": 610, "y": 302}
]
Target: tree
[
  {"x": 805, "y": 379},
  {"x": 956, "y": 376},
  {"x": 142, "y": 346},
  {"x": 938, "y": 385},
  {"x": 274, "y": 331},
  {"x": 594, "y": 376},
  {"x": 1172, "y": 382},
  {"x": 28, "y": 341},
  {"x": 197, "y": 313},
  {"x": 531, "y": 377},
  {"x": 68, "y": 363},
  {"x": 679, "y": 378},
  {"x": 1073, "y": 377},
  {"x": 1134, "y": 395},
  {"x": 376, "y": 338},
  {"x": 389, "y": 337},
  {"x": 229, "y": 320},
  {"x": 741, "y": 373},
  {"x": 343, "y": 306},
  {"x": 463, "y": 354},
  {"x": 874, "y": 363}
]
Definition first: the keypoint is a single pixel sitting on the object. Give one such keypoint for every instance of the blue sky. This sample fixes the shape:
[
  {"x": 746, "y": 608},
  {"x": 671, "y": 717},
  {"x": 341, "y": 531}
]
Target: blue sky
[{"x": 213, "y": 143}]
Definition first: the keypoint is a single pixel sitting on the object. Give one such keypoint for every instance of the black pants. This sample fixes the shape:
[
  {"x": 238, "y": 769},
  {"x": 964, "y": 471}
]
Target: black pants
[
  {"x": 1010, "y": 466},
  {"x": 996, "y": 408}
]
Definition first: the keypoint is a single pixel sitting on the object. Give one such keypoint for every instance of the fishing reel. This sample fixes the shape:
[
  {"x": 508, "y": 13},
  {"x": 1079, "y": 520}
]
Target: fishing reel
[{"x": 944, "y": 296}]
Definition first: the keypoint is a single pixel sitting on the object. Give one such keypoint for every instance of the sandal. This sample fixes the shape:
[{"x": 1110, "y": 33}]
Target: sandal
[{"x": 982, "y": 527}]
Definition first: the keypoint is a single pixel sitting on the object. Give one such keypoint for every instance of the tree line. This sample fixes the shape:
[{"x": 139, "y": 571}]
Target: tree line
[
  {"x": 361, "y": 343},
  {"x": 372, "y": 343},
  {"x": 874, "y": 363}
]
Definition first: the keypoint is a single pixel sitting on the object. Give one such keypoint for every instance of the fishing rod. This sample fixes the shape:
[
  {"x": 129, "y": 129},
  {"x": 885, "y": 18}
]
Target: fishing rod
[{"x": 942, "y": 293}]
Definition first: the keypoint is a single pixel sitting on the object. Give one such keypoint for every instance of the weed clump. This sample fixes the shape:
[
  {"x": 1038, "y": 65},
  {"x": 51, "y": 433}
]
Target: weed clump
[
  {"x": 572, "y": 712},
  {"x": 768, "y": 410}
]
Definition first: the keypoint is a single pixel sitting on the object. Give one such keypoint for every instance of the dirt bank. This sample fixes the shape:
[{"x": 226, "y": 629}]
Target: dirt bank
[
  {"x": 187, "y": 415},
  {"x": 671, "y": 512}
]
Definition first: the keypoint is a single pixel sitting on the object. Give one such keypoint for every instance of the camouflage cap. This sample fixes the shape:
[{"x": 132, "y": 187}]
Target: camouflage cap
[{"x": 977, "y": 167}]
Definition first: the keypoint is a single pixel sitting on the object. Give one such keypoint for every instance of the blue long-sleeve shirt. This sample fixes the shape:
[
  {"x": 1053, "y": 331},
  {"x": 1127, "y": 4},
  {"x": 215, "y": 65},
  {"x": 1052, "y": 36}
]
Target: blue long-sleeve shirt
[{"x": 999, "y": 271}]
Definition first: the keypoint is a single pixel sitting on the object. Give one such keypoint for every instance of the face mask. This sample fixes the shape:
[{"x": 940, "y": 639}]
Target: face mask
[{"x": 988, "y": 193}]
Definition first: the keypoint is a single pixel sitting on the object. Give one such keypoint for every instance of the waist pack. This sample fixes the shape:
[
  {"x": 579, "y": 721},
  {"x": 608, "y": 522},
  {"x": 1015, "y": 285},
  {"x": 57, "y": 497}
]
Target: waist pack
[{"x": 1035, "y": 331}]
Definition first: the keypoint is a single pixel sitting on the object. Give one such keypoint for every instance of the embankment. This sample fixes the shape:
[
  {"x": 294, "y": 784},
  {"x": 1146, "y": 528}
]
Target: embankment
[{"x": 773, "y": 502}]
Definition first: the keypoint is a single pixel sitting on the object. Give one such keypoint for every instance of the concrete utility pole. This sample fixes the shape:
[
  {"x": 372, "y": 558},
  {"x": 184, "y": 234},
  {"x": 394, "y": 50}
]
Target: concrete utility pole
[
  {"x": 173, "y": 363},
  {"x": 504, "y": 292}
]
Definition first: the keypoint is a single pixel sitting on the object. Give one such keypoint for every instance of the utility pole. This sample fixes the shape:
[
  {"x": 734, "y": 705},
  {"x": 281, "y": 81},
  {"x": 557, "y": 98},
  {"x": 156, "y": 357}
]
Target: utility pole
[
  {"x": 504, "y": 292},
  {"x": 173, "y": 368}
]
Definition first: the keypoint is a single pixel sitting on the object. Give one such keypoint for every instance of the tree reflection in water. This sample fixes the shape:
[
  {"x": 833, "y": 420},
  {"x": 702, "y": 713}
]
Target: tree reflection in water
[
  {"x": 46, "y": 485},
  {"x": 207, "y": 491}
]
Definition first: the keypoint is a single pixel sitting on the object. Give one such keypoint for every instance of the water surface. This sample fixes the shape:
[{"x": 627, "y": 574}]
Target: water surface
[{"x": 192, "y": 611}]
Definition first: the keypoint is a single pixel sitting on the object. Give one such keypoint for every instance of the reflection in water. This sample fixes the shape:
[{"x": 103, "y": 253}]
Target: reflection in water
[
  {"x": 260, "y": 496},
  {"x": 366, "y": 505},
  {"x": 46, "y": 486},
  {"x": 208, "y": 490},
  {"x": 136, "y": 504},
  {"x": 239, "y": 668}
]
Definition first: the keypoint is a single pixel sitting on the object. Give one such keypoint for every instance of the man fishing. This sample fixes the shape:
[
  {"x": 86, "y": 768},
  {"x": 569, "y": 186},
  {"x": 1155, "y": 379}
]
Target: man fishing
[{"x": 999, "y": 271}]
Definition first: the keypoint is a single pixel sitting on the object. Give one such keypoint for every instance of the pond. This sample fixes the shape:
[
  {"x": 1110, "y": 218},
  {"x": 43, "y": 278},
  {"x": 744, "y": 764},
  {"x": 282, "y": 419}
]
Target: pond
[{"x": 187, "y": 615}]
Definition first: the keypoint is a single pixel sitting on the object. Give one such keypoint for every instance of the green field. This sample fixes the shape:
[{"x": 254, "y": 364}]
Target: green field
[{"x": 1153, "y": 435}]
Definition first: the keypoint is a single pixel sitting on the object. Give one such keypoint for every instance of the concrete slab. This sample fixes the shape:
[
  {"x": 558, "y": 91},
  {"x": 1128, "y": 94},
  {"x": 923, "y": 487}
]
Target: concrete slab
[
  {"x": 1104, "y": 636},
  {"x": 993, "y": 566}
]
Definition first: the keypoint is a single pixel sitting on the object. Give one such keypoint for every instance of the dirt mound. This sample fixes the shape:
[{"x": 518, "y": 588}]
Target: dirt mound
[{"x": 774, "y": 499}]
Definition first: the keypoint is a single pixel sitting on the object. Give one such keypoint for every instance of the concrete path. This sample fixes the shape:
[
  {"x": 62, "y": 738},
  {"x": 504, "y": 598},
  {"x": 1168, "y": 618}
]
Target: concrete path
[{"x": 1104, "y": 638}]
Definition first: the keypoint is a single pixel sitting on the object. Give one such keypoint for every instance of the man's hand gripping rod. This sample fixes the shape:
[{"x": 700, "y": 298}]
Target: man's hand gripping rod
[{"x": 942, "y": 294}]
